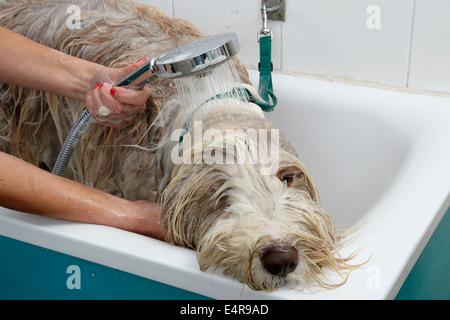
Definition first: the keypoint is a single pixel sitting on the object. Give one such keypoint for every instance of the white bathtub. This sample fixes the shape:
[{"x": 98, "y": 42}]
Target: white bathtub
[{"x": 377, "y": 156}]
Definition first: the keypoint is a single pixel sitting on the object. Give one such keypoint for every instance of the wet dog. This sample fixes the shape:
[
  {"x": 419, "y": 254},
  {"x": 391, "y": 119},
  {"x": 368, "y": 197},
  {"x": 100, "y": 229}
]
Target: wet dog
[{"x": 230, "y": 184}]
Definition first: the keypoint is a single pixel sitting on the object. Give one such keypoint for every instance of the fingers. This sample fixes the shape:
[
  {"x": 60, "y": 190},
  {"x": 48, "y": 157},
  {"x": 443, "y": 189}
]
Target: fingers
[
  {"x": 116, "y": 106},
  {"x": 128, "y": 69},
  {"x": 110, "y": 111},
  {"x": 136, "y": 98},
  {"x": 104, "y": 97}
]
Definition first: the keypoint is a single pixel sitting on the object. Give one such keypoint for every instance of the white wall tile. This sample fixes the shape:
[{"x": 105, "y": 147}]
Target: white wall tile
[
  {"x": 430, "y": 55},
  {"x": 331, "y": 37},
  {"x": 241, "y": 17}
]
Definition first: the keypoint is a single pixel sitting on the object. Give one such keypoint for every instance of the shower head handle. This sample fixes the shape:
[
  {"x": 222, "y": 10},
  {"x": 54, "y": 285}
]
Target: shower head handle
[
  {"x": 192, "y": 59},
  {"x": 138, "y": 77}
]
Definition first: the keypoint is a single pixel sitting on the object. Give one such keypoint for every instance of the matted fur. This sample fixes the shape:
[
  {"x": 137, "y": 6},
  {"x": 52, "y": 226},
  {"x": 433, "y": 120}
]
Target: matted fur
[{"x": 229, "y": 213}]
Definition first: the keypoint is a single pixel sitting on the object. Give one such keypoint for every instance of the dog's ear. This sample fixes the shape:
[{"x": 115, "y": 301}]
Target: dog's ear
[{"x": 189, "y": 206}]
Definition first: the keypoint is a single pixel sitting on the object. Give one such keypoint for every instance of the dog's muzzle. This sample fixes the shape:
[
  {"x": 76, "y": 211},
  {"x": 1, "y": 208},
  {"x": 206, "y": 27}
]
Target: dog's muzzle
[{"x": 280, "y": 261}]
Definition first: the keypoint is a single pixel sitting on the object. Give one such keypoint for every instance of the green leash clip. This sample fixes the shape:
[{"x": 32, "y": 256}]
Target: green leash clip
[{"x": 265, "y": 66}]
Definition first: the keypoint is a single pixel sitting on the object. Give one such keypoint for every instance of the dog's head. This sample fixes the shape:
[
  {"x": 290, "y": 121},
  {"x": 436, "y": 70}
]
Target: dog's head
[{"x": 247, "y": 205}]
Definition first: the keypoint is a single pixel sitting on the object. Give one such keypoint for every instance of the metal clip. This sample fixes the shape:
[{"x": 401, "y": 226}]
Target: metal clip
[{"x": 265, "y": 30}]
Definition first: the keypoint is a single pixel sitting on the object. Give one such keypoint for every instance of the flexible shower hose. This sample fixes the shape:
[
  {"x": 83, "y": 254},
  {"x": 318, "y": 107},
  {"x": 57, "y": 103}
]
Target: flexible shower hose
[{"x": 71, "y": 142}]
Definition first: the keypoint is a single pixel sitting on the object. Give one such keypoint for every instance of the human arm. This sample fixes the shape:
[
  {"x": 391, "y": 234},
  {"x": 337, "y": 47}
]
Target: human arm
[
  {"x": 24, "y": 187},
  {"x": 29, "y": 64}
]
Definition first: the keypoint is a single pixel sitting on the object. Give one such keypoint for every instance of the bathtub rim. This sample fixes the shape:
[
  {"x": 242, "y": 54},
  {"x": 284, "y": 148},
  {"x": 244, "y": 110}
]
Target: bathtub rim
[{"x": 138, "y": 254}]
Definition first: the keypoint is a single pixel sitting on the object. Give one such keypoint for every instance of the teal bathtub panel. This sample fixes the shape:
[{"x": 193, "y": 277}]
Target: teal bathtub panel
[
  {"x": 430, "y": 276},
  {"x": 32, "y": 272}
]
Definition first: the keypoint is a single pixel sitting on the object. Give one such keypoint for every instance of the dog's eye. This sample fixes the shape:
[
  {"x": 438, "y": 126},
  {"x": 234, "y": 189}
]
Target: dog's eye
[{"x": 288, "y": 178}]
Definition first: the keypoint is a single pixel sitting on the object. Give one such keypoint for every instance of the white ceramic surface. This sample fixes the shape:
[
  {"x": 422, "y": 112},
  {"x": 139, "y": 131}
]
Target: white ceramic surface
[
  {"x": 430, "y": 51},
  {"x": 359, "y": 39},
  {"x": 377, "y": 156},
  {"x": 400, "y": 43}
]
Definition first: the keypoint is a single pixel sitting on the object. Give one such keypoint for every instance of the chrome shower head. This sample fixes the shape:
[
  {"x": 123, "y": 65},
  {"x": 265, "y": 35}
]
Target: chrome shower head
[{"x": 193, "y": 59}]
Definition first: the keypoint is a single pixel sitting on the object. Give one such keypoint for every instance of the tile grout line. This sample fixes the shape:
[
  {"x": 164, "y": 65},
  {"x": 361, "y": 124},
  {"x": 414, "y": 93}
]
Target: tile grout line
[{"x": 411, "y": 35}]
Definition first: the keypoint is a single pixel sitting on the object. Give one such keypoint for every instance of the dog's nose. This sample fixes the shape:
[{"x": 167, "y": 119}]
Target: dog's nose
[{"x": 280, "y": 261}]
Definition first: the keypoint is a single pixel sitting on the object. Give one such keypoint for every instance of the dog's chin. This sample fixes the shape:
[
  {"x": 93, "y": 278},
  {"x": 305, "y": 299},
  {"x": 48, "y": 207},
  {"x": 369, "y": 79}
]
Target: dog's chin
[
  {"x": 232, "y": 216},
  {"x": 245, "y": 265},
  {"x": 288, "y": 218}
]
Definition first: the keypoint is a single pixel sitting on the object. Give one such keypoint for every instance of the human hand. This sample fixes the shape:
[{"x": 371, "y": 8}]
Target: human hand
[{"x": 114, "y": 107}]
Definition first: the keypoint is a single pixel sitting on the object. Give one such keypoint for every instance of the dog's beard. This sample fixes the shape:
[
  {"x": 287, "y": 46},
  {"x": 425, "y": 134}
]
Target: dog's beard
[
  {"x": 256, "y": 220},
  {"x": 231, "y": 215}
]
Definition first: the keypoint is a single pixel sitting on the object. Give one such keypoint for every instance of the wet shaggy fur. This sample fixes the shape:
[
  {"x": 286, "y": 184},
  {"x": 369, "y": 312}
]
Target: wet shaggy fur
[{"x": 230, "y": 213}]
